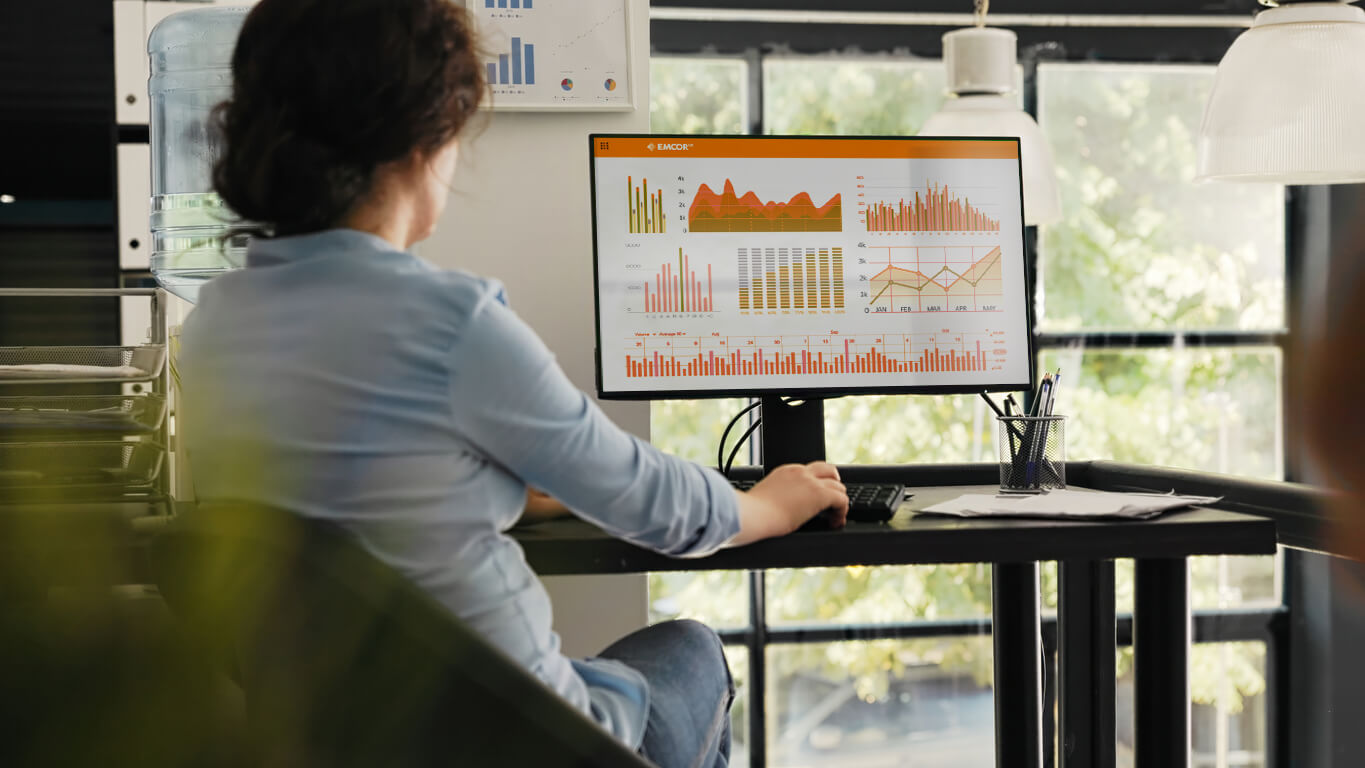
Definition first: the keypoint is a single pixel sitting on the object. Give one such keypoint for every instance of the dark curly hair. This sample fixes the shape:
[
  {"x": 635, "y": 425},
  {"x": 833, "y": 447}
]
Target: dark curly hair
[{"x": 326, "y": 91}]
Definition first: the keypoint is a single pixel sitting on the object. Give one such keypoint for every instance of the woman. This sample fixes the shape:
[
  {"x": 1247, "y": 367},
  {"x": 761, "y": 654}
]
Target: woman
[{"x": 338, "y": 376}]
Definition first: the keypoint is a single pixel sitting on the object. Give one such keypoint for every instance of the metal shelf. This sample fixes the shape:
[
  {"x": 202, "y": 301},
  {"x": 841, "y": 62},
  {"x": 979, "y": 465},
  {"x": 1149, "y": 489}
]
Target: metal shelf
[
  {"x": 81, "y": 365},
  {"x": 106, "y": 447},
  {"x": 103, "y": 469},
  {"x": 88, "y": 416}
]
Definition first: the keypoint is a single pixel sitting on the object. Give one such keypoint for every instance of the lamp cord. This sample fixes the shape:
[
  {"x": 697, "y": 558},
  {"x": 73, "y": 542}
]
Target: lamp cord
[{"x": 982, "y": 6}]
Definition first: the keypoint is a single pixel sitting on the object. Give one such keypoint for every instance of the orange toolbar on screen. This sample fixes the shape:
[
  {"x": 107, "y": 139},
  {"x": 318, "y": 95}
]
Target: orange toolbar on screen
[{"x": 691, "y": 146}]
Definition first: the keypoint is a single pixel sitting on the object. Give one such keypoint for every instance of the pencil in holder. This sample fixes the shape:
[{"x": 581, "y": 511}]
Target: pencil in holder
[{"x": 1032, "y": 453}]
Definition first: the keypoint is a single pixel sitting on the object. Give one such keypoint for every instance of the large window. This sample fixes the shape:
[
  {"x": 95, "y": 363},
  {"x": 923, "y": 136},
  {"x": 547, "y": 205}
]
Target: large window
[
  {"x": 1163, "y": 303},
  {"x": 1141, "y": 247}
]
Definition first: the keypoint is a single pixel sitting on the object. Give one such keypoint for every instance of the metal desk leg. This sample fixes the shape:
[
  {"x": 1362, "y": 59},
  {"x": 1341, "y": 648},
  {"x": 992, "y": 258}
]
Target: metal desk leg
[
  {"x": 1016, "y": 637},
  {"x": 1161, "y": 642},
  {"x": 1085, "y": 651}
]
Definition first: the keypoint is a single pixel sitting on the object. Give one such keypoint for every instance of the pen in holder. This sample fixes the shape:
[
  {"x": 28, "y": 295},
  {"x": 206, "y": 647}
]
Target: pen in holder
[{"x": 1032, "y": 453}]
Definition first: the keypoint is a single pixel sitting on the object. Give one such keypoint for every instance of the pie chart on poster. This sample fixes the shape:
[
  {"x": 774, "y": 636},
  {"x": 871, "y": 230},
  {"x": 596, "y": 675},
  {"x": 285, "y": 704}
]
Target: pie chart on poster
[{"x": 554, "y": 54}]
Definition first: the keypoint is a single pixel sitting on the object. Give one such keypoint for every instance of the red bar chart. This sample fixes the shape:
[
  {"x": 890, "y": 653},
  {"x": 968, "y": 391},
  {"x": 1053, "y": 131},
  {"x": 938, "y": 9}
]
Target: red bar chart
[
  {"x": 939, "y": 210},
  {"x": 679, "y": 288},
  {"x": 650, "y": 356}
]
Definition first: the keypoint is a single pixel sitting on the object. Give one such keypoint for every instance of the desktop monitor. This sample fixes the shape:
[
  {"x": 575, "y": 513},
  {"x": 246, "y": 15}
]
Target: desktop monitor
[{"x": 808, "y": 267}]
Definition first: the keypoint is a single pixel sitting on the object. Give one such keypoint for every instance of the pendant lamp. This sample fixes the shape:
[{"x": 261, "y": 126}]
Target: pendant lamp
[
  {"x": 1288, "y": 99},
  {"x": 982, "y": 102}
]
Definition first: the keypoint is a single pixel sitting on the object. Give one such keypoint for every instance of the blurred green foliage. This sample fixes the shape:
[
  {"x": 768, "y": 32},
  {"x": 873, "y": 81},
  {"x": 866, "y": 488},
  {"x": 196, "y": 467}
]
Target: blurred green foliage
[
  {"x": 1209, "y": 409},
  {"x": 1139, "y": 247},
  {"x": 697, "y": 95},
  {"x": 866, "y": 95}
]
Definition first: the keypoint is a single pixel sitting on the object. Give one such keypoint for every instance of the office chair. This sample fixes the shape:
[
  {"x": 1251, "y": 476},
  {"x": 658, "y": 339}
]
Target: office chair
[{"x": 343, "y": 662}]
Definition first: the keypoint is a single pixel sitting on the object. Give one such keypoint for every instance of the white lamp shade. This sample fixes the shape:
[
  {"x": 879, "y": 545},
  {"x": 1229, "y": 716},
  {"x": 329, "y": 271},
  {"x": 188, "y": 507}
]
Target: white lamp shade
[
  {"x": 990, "y": 115},
  {"x": 1288, "y": 100},
  {"x": 980, "y": 63},
  {"x": 980, "y": 59}
]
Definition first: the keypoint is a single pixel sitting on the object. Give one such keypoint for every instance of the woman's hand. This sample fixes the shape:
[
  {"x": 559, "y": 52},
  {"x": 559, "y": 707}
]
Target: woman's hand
[
  {"x": 541, "y": 506},
  {"x": 789, "y": 496}
]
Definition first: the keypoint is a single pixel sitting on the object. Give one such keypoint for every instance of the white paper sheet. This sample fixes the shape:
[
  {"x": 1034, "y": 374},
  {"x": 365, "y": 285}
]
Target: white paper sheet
[
  {"x": 64, "y": 371},
  {"x": 1068, "y": 504}
]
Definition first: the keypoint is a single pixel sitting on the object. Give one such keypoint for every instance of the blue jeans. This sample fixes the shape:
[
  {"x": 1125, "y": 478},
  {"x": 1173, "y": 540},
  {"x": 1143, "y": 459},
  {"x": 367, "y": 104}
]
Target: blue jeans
[{"x": 690, "y": 691}]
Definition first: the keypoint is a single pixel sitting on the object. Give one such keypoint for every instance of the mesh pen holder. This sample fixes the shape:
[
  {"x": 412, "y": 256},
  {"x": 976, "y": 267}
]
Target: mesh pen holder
[{"x": 1032, "y": 453}]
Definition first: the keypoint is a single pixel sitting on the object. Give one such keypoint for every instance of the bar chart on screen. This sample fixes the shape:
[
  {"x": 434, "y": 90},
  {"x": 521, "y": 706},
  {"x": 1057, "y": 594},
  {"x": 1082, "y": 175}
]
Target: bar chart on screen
[
  {"x": 897, "y": 279},
  {"x": 646, "y": 208},
  {"x": 679, "y": 288},
  {"x": 791, "y": 280},
  {"x": 934, "y": 208},
  {"x": 670, "y": 355}
]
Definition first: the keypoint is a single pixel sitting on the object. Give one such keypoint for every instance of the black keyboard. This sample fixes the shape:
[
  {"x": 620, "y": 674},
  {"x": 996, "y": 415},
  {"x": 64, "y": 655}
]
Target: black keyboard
[{"x": 867, "y": 502}]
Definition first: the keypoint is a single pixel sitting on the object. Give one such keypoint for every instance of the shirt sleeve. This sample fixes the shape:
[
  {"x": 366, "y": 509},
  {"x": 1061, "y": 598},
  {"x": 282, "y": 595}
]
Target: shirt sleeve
[{"x": 511, "y": 399}]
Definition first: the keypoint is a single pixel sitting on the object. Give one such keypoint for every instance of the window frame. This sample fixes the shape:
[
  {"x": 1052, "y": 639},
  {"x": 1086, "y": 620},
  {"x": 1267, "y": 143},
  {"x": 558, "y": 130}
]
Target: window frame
[{"x": 1204, "y": 43}]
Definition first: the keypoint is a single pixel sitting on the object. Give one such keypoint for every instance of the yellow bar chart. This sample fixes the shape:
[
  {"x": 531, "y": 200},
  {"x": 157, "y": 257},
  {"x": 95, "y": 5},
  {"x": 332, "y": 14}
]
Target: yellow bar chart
[
  {"x": 794, "y": 280},
  {"x": 646, "y": 208}
]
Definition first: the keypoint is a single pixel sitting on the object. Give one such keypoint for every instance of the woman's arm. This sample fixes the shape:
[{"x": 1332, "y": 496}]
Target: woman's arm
[
  {"x": 775, "y": 507},
  {"x": 510, "y": 399}
]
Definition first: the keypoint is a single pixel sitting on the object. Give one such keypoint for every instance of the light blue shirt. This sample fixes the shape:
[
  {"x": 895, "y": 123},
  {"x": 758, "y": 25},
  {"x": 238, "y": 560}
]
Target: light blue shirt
[{"x": 341, "y": 378}]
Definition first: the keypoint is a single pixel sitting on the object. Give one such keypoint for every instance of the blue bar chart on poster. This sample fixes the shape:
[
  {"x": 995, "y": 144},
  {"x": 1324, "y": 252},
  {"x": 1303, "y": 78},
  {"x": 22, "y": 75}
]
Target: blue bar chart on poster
[{"x": 556, "y": 54}]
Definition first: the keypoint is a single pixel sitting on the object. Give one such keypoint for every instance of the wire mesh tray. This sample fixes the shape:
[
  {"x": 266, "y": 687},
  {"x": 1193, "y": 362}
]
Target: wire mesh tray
[
  {"x": 80, "y": 365},
  {"x": 93, "y": 416},
  {"x": 43, "y": 470}
]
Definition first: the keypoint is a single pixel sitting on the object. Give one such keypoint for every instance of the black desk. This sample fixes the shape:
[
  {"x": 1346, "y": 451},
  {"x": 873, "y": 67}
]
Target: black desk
[
  {"x": 568, "y": 546},
  {"x": 1086, "y": 620}
]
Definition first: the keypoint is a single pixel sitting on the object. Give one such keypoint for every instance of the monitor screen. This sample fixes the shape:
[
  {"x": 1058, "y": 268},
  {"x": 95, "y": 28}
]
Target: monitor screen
[{"x": 808, "y": 266}]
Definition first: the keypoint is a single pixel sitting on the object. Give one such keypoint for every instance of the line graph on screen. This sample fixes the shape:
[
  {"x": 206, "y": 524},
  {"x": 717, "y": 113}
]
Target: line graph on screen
[{"x": 899, "y": 279}]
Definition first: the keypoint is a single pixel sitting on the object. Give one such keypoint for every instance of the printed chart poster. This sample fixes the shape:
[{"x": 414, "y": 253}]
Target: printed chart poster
[{"x": 556, "y": 54}]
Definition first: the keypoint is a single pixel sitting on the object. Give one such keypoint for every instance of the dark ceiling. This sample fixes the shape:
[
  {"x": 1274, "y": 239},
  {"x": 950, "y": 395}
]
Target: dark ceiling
[{"x": 1145, "y": 7}]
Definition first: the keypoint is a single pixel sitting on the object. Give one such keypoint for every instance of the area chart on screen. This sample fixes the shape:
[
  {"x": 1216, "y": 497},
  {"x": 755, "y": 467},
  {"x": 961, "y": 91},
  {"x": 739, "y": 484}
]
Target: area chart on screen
[{"x": 727, "y": 212}]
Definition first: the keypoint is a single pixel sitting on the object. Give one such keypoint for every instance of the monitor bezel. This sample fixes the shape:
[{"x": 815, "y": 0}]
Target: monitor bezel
[{"x": 800, "y": 392}]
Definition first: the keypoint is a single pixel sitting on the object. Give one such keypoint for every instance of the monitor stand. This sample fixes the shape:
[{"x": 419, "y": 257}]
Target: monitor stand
[{"x": 792, "y": 433}]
